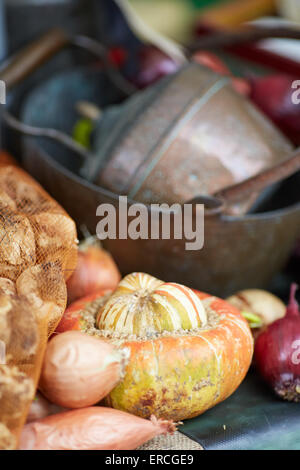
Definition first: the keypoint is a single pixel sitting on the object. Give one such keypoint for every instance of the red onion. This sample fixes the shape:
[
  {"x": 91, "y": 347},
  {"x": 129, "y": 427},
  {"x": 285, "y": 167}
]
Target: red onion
[
  {"x": 274, "y": 96},
  {"x": 155, "y": 64},
  {"x": 277, "y": 352},
  {"x": 213, "y": 62}
]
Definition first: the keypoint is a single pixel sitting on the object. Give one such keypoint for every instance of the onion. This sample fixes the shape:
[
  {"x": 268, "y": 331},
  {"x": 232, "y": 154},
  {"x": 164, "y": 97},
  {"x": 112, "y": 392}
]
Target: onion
[
  {"x": 273, "y": 94},
  {"x": 155, "y": 64},
  {"x": 95, "y": 270},
  {"x": 258, "y": 307},
  {"x": 79, "y": 370},
  {"x": 277, "y": 353},
  {"x": 41, "y": 407},
  {"x": 94, "y": 428},
  {"x": 213, "y": 62},
  {"x": 7, "y": 159}
]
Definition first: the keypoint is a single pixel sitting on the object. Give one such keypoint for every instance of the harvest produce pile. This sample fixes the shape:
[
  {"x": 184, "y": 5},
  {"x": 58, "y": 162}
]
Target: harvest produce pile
[
  {"x": 88, "y": 352},
  {"x": 137, "y": 355},
  {"x": 108, "y": 345}
]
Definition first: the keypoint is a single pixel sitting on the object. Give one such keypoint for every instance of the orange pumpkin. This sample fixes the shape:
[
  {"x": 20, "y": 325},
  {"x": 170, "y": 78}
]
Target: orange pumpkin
[
  {"x": 189, "y": 350},
  {"x": 74, "y": 317}
]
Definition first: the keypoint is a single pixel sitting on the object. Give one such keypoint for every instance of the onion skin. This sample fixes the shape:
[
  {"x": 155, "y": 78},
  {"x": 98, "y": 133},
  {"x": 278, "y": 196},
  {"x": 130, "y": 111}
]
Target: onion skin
[
  {"x": 263, "y": 304},
  {"x": 277, "y": 353},
  {"x": 95, "y": 270},
  {"x": 94, "y": 428},
  {"x": 79, "y": 370},
  {"x": 7, "y": 159}
]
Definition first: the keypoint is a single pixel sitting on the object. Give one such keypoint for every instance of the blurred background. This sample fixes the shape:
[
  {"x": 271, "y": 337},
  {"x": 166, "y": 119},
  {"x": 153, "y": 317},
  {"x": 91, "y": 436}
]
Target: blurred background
[
  {"x": 144, "y": 40},
  {"x": 177, "y": 19}
]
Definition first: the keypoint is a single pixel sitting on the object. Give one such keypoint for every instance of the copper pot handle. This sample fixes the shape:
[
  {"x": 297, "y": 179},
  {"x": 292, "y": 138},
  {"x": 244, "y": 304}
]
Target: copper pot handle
[
  {"x": 233, "y": 197},
  {"x": 26, "y": 61}
]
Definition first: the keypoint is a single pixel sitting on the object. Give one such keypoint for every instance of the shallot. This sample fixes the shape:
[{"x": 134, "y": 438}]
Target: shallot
[
  {"x": 94, "y": 428},
  {"x": 79, "y": 370},
  {"x": 41, "y": 407},
  {"x": 95, "y": 270}
]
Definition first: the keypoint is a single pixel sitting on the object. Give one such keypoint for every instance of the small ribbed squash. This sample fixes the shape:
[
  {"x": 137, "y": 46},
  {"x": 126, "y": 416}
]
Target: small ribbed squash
[{"x": 189, "y": 350}]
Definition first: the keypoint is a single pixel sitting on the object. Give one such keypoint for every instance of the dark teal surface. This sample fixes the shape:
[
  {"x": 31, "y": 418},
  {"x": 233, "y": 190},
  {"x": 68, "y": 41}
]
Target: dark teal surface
[{"x": 251, "y": 419}]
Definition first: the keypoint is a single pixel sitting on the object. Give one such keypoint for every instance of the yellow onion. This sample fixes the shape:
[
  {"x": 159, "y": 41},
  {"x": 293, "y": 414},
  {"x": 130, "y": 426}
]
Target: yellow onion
[
  {"x": 259, "y": 307},
  {"x": 79, "y": 370}
]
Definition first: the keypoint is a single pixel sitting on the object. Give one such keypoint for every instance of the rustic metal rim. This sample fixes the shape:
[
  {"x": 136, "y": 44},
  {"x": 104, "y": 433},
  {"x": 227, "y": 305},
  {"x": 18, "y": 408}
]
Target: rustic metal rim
[{"x": 109, "y": 194}]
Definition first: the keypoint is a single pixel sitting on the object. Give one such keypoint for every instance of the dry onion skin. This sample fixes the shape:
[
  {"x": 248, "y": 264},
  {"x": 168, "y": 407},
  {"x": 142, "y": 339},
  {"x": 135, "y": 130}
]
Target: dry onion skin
[
  {"x": 33, "y": 295},
  {"x": 95, "y": 270},
  {"x": 55, "y": 238},
  {"x": 189, "y": 350},
  {"x": 40, "y": 229},
  {"x": 16, "y": 391},
  {"x": 28, "y": 195},
  {"x": 7, "y": 440},
  {"x": 93, "y": 428},
  {"x": 44, "y": 288},
  {"x": 259, "y": 307},
  {"x": 17, "y": 247},
  {"x": 79, "y": 370},
  {"x": 7, "y": 159}
]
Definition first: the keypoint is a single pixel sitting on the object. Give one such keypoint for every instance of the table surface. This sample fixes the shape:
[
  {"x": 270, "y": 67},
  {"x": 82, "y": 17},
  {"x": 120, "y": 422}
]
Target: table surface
[{"x": 253, "y": 418}]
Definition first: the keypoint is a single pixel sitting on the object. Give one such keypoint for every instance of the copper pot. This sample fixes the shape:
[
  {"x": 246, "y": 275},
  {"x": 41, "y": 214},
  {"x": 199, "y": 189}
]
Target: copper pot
[{"x": 190, "y": 134}]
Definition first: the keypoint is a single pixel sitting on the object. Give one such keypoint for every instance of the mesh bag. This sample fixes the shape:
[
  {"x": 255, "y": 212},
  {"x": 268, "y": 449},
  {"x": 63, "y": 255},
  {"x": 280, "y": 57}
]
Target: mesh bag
[{"x": 38, "y": 253}]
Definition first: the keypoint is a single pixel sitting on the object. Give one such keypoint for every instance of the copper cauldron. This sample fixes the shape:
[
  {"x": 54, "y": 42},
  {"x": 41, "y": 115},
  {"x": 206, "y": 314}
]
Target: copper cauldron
[{"x": 190, "y": 134}]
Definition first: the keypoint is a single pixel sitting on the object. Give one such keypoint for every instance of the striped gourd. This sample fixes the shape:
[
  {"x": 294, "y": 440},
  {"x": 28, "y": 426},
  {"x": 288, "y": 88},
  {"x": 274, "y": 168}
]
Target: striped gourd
[{"x": 144, "y": 306}]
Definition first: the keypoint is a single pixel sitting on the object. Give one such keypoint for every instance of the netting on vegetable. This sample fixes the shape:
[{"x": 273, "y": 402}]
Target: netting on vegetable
[{"x": 38, "y": 253}]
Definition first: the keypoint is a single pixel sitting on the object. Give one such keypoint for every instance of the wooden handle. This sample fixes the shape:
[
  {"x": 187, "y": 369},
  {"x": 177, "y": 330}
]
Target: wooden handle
[
  {"x": 242, "y": 36},
  {"x": 23, "y": 63}
]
